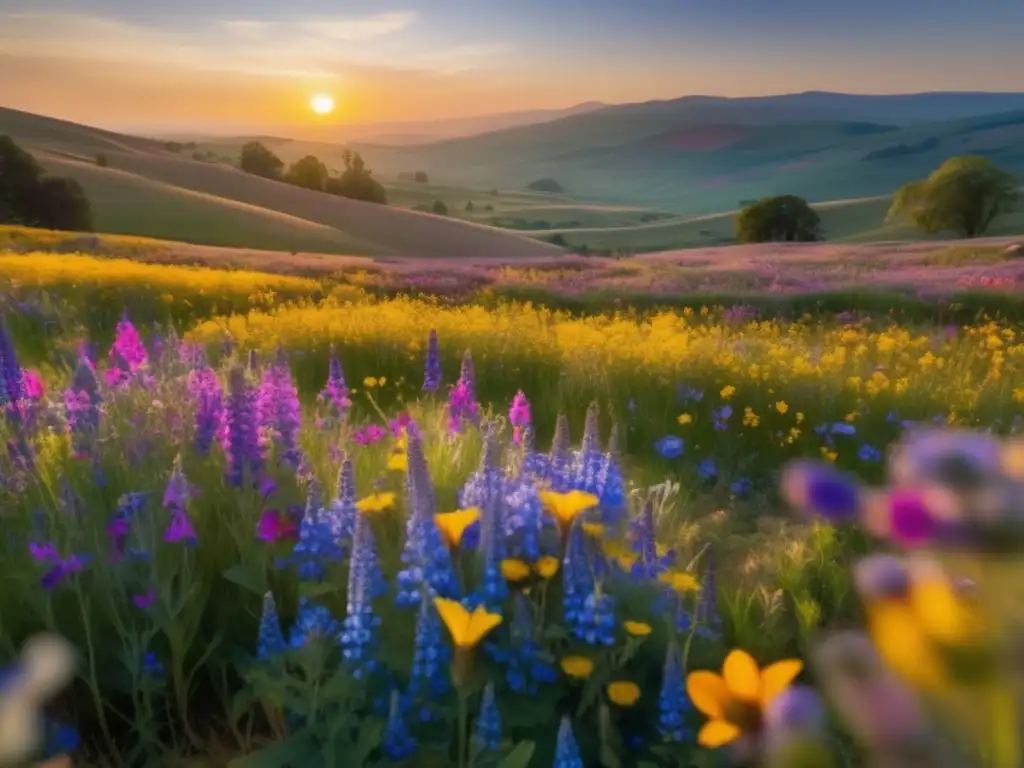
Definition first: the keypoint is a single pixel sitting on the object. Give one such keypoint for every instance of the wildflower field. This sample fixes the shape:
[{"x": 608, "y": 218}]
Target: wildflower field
[{"x": 285, "y": 524}]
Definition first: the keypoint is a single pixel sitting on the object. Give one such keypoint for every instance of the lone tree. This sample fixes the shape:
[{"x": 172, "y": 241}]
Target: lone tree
[
  {"x": 308, "y": 172},
  {"x": 356, "y": 181},
  {"x": 31, "y": 198},
  {"x": 963, "y": 195},
  {"x": 260, "y": 161},
  {"x": 439, "y": 208},
  {"x": 785, "y": 218}
]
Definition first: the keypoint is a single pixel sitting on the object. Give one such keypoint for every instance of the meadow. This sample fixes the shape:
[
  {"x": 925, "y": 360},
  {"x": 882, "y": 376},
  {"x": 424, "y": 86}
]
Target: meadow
[{"x": 285, "y": 522}]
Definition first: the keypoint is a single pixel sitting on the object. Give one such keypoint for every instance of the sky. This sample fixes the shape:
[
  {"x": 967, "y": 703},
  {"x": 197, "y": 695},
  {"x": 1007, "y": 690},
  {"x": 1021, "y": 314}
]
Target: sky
[{"x": 250, "y": 66}]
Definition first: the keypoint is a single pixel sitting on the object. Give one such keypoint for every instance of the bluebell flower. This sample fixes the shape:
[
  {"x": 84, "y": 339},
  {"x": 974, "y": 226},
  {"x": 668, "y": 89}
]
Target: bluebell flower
[
  {"x": 485, "y": 490},
  {"x": 488, "y": 721},
  {"x": 643, "y": 536},
  {"x": 270, "y": 641},
  {"x": 567, "y": 751},
  {"x": 316, "y": 548},
  {"x": 674, "y": 705},
  {"x": 313, "y": 621},
  {"x": 431, "y": 655},
  {"x": 596, "y": 622},
  {"x": 341, "y": 513},
  {"x": 577, "y": 578},
  {"x": 524, "y": 519},
  {"x": 397, "y": 742},
  {"x": 245, "y": 454},
  {"x": 670, "y": 447},
  {"x": 559, "y": 457}
]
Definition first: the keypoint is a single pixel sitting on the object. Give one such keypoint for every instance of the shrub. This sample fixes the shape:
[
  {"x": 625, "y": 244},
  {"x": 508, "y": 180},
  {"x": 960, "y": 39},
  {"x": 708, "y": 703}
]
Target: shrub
[
  {"x": 785, "y": 218},
  {"x": 439, "y": 208},
  {"x": 102, "y": 160},
  {"x": 356, "y": 181},
  {"x": 422, "y": 177},
  {"x": 31, "y": 198},
  {"x": 546, "y": 185},
  {"x": 256, "y": 159}
]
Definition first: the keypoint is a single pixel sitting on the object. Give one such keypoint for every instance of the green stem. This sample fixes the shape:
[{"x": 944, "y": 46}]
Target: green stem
[
  {"x": 463, "y": 729},
  {"x": 1005, "y": 731}
]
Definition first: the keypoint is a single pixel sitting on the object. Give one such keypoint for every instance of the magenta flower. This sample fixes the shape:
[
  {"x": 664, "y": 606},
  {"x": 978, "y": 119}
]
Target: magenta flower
[
  {"x": 44, "y": 553},
  {"x": 519, "y": 416},
  {"x": 368, "y": 435},
  {"x": 180, "y": 529},
  {"x": 399, "y": 423},
  {"x": 62, "y": 569},
  {"x": 911, "y": 524},
  {"x": 146, "y": 599},
  {"x": 274, "y": 527},
  {"x": 33, "y": 384}
]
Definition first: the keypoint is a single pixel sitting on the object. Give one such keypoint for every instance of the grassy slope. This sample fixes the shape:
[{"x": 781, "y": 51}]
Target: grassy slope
[{"x": 387, "y": 229}]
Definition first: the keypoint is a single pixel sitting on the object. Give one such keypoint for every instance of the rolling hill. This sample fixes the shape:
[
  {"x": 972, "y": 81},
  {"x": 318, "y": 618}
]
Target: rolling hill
[
  {"x": 147, "y": 190},
  {"x": 699, "y": 155}
]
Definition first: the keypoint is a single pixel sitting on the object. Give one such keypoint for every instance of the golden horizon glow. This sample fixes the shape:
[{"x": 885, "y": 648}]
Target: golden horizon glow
[{"x": 322, "y": 103}]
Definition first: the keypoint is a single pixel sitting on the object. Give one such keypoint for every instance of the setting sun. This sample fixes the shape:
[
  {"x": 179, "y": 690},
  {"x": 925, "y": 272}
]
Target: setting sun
[{"x": 322, "y": 103}]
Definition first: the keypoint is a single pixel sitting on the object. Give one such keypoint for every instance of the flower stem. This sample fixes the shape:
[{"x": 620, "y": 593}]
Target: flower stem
[
  {"x": 1005, "y": 731},
  {"x": 463, "y": 729}
]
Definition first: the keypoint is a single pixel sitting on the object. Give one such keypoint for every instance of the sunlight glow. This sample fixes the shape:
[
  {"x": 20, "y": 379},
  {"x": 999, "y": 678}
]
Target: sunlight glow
[{"x": 322, "y": 103}]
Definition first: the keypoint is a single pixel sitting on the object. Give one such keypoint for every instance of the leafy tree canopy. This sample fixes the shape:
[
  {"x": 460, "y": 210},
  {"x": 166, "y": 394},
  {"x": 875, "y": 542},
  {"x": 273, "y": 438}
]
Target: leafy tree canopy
[
  {"x": 31, "y": 198},
  {"x": 963, "y": 195},
  {"x": 309, "y": 172},
  {"x": 785, "y": 218},
  {"x": 260, "y": 161}
]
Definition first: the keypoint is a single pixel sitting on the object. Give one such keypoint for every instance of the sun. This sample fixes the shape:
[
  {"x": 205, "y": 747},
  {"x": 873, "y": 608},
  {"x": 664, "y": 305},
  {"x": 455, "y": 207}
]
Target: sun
[{"x": 322, "y": 103}]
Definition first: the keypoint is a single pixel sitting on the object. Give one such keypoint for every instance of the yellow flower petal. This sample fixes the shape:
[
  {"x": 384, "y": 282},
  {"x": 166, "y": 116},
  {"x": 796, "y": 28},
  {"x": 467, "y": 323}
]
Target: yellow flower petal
[
  {"x": 680, "y": 581},
  {"x": 566, "y": 507},
  {"x": 624, "y": 693},
  {"x": 577, "y": 666},
  {"x": 626, "y": 561},
  {"x": 595, "y": 530},
  {"x": 375, "y": 502},
  {"x": 637, "y": 628},
  {"x": 942, "y": 613},
  {"x": 398, "y": 462},
  {"x": 903, "y": 645},
  {"x": 708, "y": 692},
  {"x": 514, "y": 570},
  {"x": 775, "y": 678},
  {"x": 480, "y": 623},
  {"x": 717, "y": 733},
  {"x": 455, "y": 617},
  {"x": 454, "y": 524},
  {"x": 742, "y": 676},
  {"x": 547, "y": 566}
]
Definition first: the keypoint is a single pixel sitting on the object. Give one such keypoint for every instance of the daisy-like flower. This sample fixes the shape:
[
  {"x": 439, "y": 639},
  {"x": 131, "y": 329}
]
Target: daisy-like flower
[
  {"x": 375, "y": 503},
  {"x": 514, "y": 570},
  {"x": 637, "y": 628},
  {"x": 623, "y": 693},
  {"x": 579, "y": 667},
  {"x": 566, "y": 507},
  {"x": 735, "y": 700}
]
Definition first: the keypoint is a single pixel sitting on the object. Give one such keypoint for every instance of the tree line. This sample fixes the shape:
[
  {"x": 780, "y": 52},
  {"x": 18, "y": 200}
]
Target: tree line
[
  {"x": 964, "y": 195},
  {"x": 355, "y": 181},
  {"x": 31, "y": 197}
]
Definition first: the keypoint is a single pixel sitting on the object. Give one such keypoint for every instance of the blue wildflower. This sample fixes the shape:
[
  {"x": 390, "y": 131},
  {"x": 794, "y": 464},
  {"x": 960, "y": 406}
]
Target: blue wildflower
[
  {"x": 313, "y": 621},
  {"x": 12, "y": 388},
  {"x": 151, "y": 666},
  {"x": 359, "y": 629},
  {"x": 244, "y": 450},
  {"x": 526, "y": 667},
  {"x": 432, "y": 365},
  {"x": 741, "y": 486},
  {"x": 524, "y": 519},
  {"x": 708, "y": 620},
  {"x": 397, "y": 742},
  {"x": 720, "y": 417},
  {"x": 869, "y": 453},
  {"x": 577, "y": 578},
  {"x": 673, "y": 703},
  {"x": 706, "y": 470},
  {"x": 317, "y": 546},
  {"x": 567, "y": 751},
  {"x": 82, "y": 407},
  {"x": 643, "y": 533},
  {"x": 596, "y": 624},
  {"x": 687, "y": 394},
  {"x": 485, "y": 490},
  {"x": 270, "y": 641},
  {"x": 670, "y": 447},
  {"x": 431, "y": 655},
  {"x": 335, "y": 393},
  {"x": 341, "y": 513},
  {"x": 59, "y": 739},
  {"x": 277, "y": 404},
  {"x": 488, "y": 721},
  {"x": 559, "y": 458}
]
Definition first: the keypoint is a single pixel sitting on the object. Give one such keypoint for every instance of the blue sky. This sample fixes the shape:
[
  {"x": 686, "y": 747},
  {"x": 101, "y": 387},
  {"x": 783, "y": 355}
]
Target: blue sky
[{"x": 253, "y": 63}]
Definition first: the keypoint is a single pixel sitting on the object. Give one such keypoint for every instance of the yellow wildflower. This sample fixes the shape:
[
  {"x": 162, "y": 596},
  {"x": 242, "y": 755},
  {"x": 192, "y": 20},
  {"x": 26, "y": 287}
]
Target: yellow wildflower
[
  {"x": 680, "y": 581},
  {"x": 375, "y": 502},
  {"x": 1013, "y": 459},
  {"x": 624, "y": 693},
  {"x": 382, "y": 381},
  {"x": 637, "y": 628},
  {"x": 467, "y": 629},
  {"x": 1018, "y": 395},
  {"x": 566, "y": 507},
  {"x": 850, "y": 417},
  {"x": 514, "y": 570},
  {"x": 781, "y": 407},
  {"x": 626, "y": 560},
  {"x": 370, "y": 382},
  {"x": 398, "y": 462},
  {"x": 685, "y": 418},
  {"x": 799, "y": 417},
  {"x": 727, "y": 391},
  {"x": 735, "y": 700},
  {"x": 453, "y": 524},
  {"x": 594, "y": 530},
  {"x": 577, "y": 666},
  {"x": 547, "y": 566}
]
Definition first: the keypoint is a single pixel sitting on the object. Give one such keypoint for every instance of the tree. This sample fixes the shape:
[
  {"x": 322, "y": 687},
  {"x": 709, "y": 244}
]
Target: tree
[
  {"x": 260, "y": 161},
  {"x": 308, "y": 172},
  {"x": 546, "y": 185},
  {"x": 440, "y": 208},
  {"x": 356, "y": 181},
  {"x": 421, "y": 177},
  {"x": 785, "y": 218},
  {"x": 33, "y": 199},
  {"x": 102, "y": 160},
  {"x": 963, "y": 195},
  {"x": 469, "y": 207}
]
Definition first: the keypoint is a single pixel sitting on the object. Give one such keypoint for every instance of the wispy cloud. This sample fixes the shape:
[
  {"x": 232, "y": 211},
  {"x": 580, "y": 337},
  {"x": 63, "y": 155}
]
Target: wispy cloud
[{"x": 308, "y": 47}]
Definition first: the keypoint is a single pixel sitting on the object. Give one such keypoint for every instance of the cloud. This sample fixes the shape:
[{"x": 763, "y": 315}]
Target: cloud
[{"x": 300, "y": 48}]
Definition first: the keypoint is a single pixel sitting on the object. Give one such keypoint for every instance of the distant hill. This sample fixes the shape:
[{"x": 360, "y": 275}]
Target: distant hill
[
  {"x": 148, "y": 190},
  {"x": 701, "y": 154}
]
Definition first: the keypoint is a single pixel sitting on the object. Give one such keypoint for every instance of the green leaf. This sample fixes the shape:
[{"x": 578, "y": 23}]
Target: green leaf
[
  {"x": 300, "y": 751},
  {"x": 317, "y": 590},
  {"x": 608, "y": 757},
  {"x": 518, "y": 757},
  {"x": 369, "y": 738},
  {"x": 248, "y": 578},
  {"x": 555, "y": 632}
]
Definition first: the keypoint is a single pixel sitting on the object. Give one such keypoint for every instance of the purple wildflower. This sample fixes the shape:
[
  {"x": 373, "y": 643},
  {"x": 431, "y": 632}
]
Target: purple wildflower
[
  {"x": 82, "y": 407},
  {"x": 279, "y": 411},
  {"x": 210, "y": 422},
  {"x": 244, "y": 449},
  {"x": 462, "y": 404},
  {"x": 519, "y": 416},
  {"x": 128, "y": 356},
  {"x": 432, "y": 365},
  {"x": 335, "y": 394},
  {"x": 146, "y": 599},
  {"x": 369, "y": 434}
]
